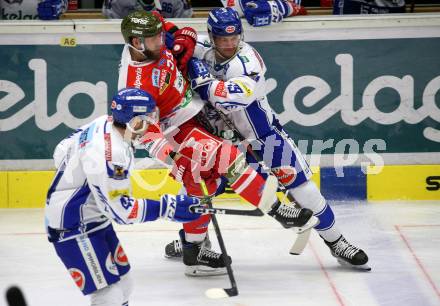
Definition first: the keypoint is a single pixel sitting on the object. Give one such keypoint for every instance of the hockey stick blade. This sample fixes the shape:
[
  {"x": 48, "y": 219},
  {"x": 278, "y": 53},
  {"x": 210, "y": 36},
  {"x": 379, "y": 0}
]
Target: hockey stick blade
[
  {"x": 303, "y": 235},
  {"x": 224, "y": 211},
  {"x": 220, "y": 293},
  {"x": 300, "y": 242}
]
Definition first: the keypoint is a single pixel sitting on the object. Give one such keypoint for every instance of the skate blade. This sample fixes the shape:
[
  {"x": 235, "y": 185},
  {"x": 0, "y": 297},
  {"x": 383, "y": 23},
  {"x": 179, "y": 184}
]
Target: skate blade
[
  {"x": 313, "y": 221},
  {"x": 201, "y": 271},
  {"x": 173, "y": 257},
  {"x": 364, "y": 267}
]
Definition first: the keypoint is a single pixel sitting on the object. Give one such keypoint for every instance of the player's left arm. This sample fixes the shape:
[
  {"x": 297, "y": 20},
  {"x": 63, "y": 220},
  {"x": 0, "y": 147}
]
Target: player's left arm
[{"x": 243, "y": 85}]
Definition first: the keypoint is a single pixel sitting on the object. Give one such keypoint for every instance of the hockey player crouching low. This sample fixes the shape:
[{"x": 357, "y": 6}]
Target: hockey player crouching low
[
  {"x": 229, "y": 73},
  {"x": 92, "y": 187}
]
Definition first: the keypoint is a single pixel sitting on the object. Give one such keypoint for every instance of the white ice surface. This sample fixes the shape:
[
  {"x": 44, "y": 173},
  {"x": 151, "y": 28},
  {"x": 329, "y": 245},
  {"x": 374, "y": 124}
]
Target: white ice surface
[{"x": 402, "y": 240}]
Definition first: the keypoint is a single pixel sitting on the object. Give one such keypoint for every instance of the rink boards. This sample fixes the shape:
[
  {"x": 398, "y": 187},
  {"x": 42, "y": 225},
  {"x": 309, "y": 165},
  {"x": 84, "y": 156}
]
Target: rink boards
[
  {"x": 352, "y": 94},
  {"x": 27, "y": 189}
]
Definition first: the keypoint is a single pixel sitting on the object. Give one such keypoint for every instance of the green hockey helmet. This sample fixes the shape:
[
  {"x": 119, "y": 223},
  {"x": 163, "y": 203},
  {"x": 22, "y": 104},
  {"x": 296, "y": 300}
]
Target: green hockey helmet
[{"x": 140, "y": 24}]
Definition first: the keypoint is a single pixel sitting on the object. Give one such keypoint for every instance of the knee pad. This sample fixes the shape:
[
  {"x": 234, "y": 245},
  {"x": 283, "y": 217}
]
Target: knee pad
[{"x": 308, "y": 195}]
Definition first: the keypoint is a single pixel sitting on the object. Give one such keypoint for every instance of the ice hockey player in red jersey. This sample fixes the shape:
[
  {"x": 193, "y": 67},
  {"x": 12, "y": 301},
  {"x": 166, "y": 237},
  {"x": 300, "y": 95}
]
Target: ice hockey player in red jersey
[{"x": 147, "y": 64}]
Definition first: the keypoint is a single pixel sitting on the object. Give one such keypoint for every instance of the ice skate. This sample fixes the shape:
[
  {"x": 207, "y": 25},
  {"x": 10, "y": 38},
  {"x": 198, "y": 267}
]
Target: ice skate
[
  {"x": 173, "y": 250},
  {"x": 201, "y": 261},
  {"x": 348, "y": 255},
  {"x": 301, "y": 219}
]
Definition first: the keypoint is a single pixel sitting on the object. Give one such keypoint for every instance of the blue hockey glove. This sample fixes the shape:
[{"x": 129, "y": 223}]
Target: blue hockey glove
[
  {"x": 262, "y": 12},
  {"x": 51, "y": 9},
  {"x": 200, "y": 76},
  {"x": 176, "y": 208}
]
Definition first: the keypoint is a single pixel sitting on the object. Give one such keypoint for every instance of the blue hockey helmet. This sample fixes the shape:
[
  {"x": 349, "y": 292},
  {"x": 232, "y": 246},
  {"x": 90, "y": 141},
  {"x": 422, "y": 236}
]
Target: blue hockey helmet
[
  {"x": 132, "y": 103},
  {"x": 224, "y": 22}
]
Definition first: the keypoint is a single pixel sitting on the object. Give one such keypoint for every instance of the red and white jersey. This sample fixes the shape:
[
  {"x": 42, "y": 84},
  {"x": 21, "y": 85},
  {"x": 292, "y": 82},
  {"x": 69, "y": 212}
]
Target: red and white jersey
[{"x": 163, "y": 80}]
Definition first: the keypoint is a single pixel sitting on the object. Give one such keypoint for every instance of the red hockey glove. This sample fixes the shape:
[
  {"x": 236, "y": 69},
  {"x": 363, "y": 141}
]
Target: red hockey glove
[
  {"x": 155, "y": 143},
  {"x": 184, "y": 44}
]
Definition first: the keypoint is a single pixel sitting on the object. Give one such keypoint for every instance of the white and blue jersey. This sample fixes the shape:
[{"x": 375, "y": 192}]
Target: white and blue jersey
[
  {"x": 92, "y": 184},
  {"x": 92, "y": 187},
  {"x": 240, "y": 93}
]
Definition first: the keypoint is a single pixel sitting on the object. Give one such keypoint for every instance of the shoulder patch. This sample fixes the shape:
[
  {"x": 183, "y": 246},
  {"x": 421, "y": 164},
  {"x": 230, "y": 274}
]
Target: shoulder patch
[{"x": 244, "y": 58}]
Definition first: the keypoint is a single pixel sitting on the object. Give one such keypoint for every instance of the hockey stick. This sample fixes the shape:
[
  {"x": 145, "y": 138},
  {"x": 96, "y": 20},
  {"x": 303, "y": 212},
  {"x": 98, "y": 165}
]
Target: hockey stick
[
  {"x": 222, "y": 211},
  {"x": 218, "y": 293},
  {"x": 225, "y": 211},
  {"x": 302, "y": 236}
]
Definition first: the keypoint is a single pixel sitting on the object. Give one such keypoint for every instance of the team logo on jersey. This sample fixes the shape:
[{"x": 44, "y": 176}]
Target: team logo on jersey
[
  {"x": 120, "y": 258},
  {"x": 155, "y": 76},
  {"x": 165, "y": 78},
  {"x": 230, "y": 3},
  {"x": 220, "y": 90},
  {"x": 200, "y": 146},
  {"x": 119, "y": 173},
  {"x": 286, "y": 175},
  {"x": 230, "y": 29},
  {"x": 110, "y": 265},
  {"x": 78, "y": 277}
]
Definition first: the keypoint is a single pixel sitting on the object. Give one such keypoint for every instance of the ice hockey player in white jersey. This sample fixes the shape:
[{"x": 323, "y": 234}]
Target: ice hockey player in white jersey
[
  {"x": 116, "y": 9},
  {"x": 92, "y": 187},
  {"x": 229, "y": 74}
]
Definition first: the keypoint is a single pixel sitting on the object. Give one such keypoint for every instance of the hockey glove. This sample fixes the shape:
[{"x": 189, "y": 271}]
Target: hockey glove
[
  {"x": 51, "y": 9},
  {"x": 177, "y": 208},
  {"x": 155, "y": 143},
  {"x": 184, "y": 44},
  {"x": 262, "y": 13},
  {"x": 200, "y": 76}
]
